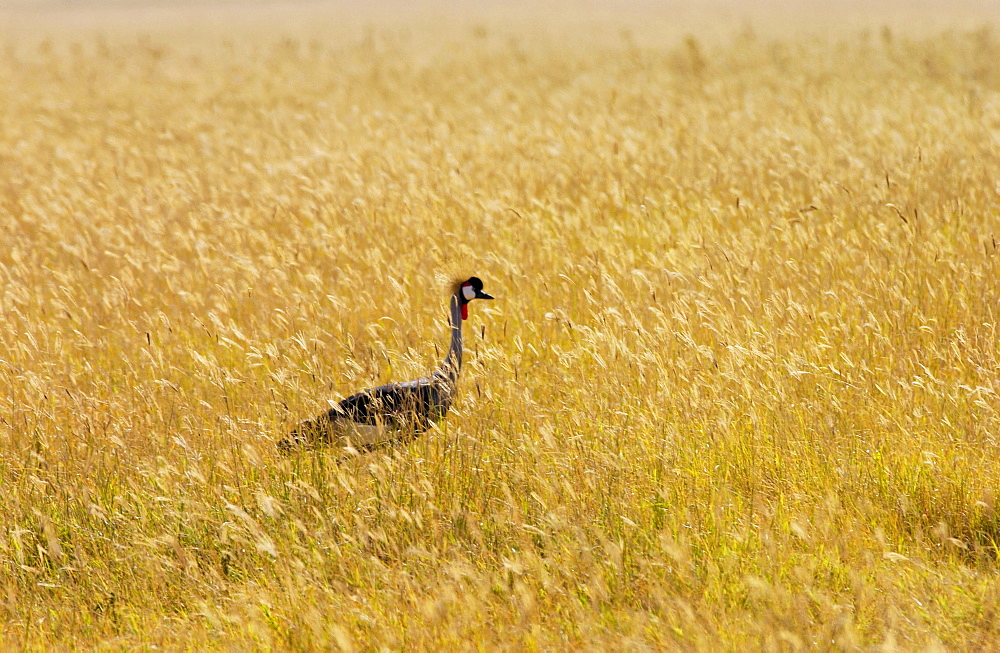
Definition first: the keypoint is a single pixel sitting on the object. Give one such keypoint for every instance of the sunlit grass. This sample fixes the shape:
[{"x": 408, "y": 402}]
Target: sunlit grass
[{"x": 738, "y": 389}]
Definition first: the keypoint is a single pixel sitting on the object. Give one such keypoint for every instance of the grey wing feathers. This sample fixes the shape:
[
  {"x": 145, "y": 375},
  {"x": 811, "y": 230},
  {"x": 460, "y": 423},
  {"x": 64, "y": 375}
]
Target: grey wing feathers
[
  {"x": 408, "y": 408},
  {"x": 413, "y": 403}
]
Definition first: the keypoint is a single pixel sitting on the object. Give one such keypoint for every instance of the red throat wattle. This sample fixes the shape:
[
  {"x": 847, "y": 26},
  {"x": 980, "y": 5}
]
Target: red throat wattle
[{"x": 465, "y": 311}]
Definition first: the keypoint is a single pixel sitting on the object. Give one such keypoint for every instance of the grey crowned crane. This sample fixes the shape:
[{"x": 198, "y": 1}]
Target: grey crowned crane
[{"x": 382, "y": 416}]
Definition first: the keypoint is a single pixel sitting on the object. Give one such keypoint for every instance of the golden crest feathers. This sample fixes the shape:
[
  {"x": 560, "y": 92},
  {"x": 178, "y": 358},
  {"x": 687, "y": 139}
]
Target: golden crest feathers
[{"x": 451, "y": 278}]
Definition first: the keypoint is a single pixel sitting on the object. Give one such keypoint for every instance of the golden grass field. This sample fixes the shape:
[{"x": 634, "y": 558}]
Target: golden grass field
[{"x": 739, "y": 389}]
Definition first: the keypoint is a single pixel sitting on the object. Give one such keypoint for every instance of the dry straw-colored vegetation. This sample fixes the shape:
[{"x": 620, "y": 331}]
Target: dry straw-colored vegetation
[{"x": 739, "y": 388}]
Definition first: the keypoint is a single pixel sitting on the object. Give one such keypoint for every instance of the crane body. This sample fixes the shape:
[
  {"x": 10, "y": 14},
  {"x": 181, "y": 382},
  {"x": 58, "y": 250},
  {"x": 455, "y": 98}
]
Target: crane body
[{"x": 395, "y": 412}]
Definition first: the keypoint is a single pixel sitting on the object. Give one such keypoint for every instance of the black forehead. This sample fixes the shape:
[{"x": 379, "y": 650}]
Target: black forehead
[{"x": 475, "y": 282}]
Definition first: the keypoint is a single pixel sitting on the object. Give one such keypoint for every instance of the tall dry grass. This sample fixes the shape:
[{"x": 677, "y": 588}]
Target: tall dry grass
[{"x": 739, "y": 389}]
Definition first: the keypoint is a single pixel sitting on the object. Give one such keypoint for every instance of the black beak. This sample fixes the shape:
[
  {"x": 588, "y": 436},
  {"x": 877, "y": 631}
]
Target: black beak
[{"x": 481, "y": 295}]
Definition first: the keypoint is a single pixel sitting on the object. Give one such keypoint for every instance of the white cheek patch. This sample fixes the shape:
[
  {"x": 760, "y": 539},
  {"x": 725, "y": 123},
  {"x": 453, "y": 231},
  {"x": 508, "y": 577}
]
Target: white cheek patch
[{"x": 468, "y": 292}]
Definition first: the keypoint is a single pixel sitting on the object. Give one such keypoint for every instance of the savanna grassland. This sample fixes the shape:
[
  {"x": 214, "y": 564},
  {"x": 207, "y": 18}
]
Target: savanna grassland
[{"x": 738, "y": 390}]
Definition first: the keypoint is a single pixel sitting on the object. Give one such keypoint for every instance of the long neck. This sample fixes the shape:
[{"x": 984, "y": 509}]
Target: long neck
[{"x": 453, "y": 362}]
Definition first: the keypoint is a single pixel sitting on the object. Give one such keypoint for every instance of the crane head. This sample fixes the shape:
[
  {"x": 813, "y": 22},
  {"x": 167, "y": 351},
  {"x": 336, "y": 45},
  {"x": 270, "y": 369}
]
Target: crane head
[{"x": 471, "y": 288}]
